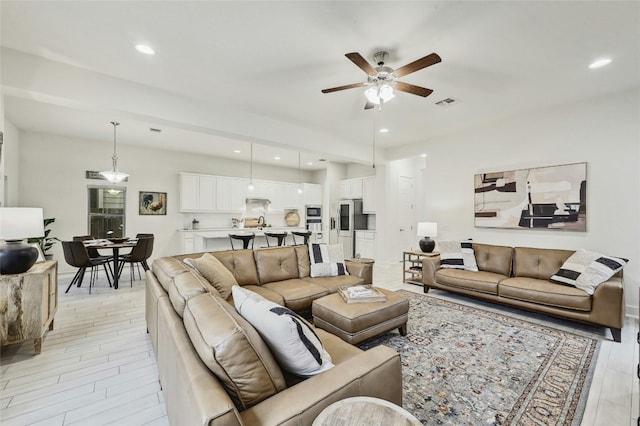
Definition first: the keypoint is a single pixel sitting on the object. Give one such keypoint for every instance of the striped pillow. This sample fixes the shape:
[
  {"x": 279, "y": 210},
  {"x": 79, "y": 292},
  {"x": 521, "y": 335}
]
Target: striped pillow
[
  {"x": 457, "y": 255},
  {"x": 327, "y": 260},
  {"x": 586, "y": 270}
]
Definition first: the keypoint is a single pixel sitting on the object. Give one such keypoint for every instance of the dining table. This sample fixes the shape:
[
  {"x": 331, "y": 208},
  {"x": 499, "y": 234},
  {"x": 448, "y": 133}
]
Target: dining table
[{"x": 115, "y": 247}]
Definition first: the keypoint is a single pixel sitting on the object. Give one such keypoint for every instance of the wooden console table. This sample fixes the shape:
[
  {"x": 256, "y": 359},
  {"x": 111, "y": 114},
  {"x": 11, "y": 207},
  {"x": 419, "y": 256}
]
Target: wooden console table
[
  {"x": 28, "y": 303},
  {"x": 412, "y": 266}
]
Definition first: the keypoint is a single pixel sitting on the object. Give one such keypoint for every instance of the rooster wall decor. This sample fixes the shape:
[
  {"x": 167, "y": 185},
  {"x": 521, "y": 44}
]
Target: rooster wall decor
[{"x": 153, "y": 203}]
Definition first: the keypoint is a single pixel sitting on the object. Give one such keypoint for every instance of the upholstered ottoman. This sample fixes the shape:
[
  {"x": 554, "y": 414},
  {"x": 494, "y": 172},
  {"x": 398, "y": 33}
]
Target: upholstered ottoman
[{"x": 357, "y": 322}]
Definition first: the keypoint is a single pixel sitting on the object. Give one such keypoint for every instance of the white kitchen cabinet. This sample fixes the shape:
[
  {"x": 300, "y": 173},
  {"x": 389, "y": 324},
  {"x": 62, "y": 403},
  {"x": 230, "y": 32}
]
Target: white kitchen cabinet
[
  {"x": 197, "y": 193},
  {"x": 366, "y": 244},
  {"x": 355, "y": 188},
  {"x": 312, "y": 194},
  {"x": 345, "y": 189},
  {"x": 275, "y": 194},
  {"x": 369, "y": 195},
  {"x": 231, "y": 194},
  {"x": 291, "y": 198}
]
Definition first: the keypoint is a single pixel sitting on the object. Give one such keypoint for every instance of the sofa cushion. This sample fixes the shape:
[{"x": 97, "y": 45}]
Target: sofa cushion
[
  {"x": 586, "y": 270},
  {"x": 187, "y": 286},
  {"x": 241, "y": 264},
  {"x": 492, "y": 258},
  {"x": 327, "y": 260},
  {"x": 302, "y": 254},
  {"x": 297, "y": 294},
  {"x": 538, "y": 263},
  {"x": 215, "y": 272},
  {"x": 332, "y": 283},
  {"x": 485, "y": 282},
  {"x": 291, "y": 340},
  {"x": 457, "y": 255},
  {"x": 166, "y": 268},
  {"x": 276, "y": 264},
  {"x": 233, "y": 350},
  {"x": 545, "y": 292},
  {"x": 266, "y": 293}
]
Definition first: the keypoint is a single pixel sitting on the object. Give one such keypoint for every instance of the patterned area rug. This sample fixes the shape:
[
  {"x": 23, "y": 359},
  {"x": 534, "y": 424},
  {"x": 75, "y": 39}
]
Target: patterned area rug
[{"x": 467, "y": 366}]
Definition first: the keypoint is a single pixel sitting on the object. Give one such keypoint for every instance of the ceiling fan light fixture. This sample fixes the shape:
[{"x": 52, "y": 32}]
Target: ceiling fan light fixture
[{"x": 382, "y": 93}]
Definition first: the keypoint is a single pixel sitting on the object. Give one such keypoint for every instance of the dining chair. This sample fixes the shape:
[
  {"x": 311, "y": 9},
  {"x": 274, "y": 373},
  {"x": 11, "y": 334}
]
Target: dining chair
[
  {"x": 76, "y": 255},
  {"x": 245, "y": 237},
  {"x": 139, "y": 255},
  {"x": 95, "y": 254}
]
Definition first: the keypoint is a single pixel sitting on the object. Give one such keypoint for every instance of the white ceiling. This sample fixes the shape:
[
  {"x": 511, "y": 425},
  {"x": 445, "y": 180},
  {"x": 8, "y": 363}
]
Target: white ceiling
[{"x": 227, "y": 73}]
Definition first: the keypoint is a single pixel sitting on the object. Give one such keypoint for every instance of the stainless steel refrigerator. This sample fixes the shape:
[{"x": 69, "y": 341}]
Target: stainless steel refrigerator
[{"x": 350, "y": 218}]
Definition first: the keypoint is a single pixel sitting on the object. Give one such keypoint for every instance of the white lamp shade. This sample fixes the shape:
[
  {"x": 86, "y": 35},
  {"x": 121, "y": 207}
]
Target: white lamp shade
[
  {"x": 427, "y": 229},
  {"x": 18, "y": 223}
]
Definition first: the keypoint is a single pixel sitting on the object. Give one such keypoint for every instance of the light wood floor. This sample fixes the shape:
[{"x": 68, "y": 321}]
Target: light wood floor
[{"x": 97, "y": 366}]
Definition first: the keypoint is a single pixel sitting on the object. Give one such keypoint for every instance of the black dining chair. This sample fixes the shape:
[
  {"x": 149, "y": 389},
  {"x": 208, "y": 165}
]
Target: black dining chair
[
  {"x": 76, "y": 255},
  {"x": 94, "y": 254},
  {"x": 245, "y": 237},
  {"x": 139, "y": 255}
]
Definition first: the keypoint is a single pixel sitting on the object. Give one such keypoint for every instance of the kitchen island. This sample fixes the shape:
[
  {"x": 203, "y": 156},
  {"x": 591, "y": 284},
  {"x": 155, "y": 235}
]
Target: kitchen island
[{"x": 215, "y": 239}]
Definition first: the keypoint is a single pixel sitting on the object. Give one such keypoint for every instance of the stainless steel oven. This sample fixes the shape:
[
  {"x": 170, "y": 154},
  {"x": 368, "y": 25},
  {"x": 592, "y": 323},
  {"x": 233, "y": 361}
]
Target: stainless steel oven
[{"x": 313, "y": 221}]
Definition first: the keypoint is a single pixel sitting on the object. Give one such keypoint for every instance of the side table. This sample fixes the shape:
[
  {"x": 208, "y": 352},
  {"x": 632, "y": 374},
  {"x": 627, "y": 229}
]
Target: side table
[
  {"x": 412, "y": 265},
  {"x": 364, "y": 410},
  {"x": 28, "y": 303}
]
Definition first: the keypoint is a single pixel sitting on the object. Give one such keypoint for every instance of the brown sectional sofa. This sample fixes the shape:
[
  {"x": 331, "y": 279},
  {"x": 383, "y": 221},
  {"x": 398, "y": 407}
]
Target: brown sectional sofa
[
  {"x": 194, "y": 395},
  {"x": 520, "y": 277}
]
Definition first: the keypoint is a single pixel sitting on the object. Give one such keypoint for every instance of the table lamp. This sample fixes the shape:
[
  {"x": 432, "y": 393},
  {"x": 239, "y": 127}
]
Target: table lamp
[
  {"x": 427, "y": 230},
  {"x": 17, "y": 224}
]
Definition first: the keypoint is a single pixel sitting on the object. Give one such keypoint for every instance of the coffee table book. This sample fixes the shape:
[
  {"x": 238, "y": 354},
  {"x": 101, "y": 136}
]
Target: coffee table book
[{"x": 361, "y": 294}]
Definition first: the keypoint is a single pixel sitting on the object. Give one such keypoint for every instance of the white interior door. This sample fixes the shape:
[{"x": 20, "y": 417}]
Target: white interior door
[{"x": 407, "y": 237}]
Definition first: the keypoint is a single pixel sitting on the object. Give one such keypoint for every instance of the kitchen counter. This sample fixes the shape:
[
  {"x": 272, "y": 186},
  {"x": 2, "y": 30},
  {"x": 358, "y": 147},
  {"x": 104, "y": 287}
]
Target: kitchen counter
[{"x": 214, "y": 239}]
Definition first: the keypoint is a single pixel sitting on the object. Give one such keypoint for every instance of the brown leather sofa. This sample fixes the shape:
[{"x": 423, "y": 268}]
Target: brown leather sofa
[
  {"x": 195, "y": 396},
  {"x": 520, "y": 277}
]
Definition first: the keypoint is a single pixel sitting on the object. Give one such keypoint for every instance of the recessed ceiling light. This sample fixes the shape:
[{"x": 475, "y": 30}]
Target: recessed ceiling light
[
  {"x": 147, "y": 50},
  {"x": 309, "y": 163},
  {"x": 276, "y": 158},
  {"x": 600, "y": 63},
  {"x": 423, "y": 155},
  {"x": 237, "y": 151},
  {"x": 384, "y": 130}
]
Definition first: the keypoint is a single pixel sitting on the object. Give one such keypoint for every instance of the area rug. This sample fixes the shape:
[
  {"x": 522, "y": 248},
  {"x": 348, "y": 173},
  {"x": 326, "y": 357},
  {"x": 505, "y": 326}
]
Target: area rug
[{"x": 463, "y": 365}]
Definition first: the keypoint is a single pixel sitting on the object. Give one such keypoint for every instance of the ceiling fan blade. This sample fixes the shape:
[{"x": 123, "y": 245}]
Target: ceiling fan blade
[
  {"x": 368, "y": 105},
  {"x": 362, "y": 63},
  {"x": 413, "y": 89},
  {"x": 414, "y": 66},
  {"x": 348, "y": 86}
]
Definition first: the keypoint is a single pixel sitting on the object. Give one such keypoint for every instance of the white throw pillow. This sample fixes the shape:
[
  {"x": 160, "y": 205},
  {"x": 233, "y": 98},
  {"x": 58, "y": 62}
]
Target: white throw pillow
[
  {"x": 291, "y": 340},
  {"x": 326, "y": 260},
  {"x": 457, "y": 255},
  {"x": 586, "y": 270}
]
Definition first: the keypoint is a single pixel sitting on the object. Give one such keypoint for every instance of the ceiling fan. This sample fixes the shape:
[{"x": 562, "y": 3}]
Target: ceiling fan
[{"x": 381, "y": 80}]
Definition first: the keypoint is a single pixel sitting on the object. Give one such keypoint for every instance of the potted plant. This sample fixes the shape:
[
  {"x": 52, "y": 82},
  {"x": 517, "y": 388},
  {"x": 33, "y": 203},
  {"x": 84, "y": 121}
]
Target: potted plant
[{"x": 46, "y": 242}]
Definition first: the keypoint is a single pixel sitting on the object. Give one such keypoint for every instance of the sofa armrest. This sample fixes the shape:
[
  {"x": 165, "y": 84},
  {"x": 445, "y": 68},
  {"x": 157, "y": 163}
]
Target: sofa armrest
[
  {"x": 608, "y": 305},
  {"x": 375, "y": 373},
  {"x": 362, "y": 270},
  {"x": 429, "y": 267}
]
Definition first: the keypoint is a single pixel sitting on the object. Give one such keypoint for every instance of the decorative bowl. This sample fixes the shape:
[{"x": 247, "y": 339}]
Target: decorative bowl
[{"x": 118, "y": 240}]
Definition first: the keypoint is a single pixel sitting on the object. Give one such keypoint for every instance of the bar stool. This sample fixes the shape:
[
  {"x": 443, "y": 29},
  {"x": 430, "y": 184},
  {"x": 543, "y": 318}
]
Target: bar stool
[
  {"x": 246, "y": 237},
  {"x": 304, "y": 234},
  {"x": 280, "y": 236}
]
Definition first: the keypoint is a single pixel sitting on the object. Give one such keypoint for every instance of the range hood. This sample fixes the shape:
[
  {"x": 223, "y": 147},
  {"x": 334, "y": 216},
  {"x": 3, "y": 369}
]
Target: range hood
[{"x": 258, "y": 200}]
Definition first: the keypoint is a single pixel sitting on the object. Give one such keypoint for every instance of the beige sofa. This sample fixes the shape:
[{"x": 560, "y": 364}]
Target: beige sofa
[
  {"x": 194, "y": 395},
  {"x": 520, "y": 277}
]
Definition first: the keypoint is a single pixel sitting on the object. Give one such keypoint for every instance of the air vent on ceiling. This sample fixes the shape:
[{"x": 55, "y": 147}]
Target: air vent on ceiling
[
  {"x": 447, "y": 102},
  {"x": 153, "y": 129}
]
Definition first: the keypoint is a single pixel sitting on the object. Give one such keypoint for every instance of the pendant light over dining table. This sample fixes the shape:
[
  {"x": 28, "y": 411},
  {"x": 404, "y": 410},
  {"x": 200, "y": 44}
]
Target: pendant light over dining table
[{"x": 114, "y": 175}]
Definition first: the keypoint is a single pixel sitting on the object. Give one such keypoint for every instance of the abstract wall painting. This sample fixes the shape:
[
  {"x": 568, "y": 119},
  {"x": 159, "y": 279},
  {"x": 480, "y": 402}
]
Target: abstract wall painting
[{"x": 553, "y": 197}]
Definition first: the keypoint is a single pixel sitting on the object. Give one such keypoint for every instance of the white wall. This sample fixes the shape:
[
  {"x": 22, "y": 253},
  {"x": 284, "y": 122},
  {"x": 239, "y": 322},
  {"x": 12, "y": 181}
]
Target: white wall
[
  {"x": 9, "y": 177},
  {"x": 603, "y": 132},
  {"x": 52, "y": 176}
]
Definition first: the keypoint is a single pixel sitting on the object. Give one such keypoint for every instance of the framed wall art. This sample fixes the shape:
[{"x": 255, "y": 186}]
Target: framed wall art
[
  {"x": 152, "y": 203},
  {"x": 553, "y": 197}
]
